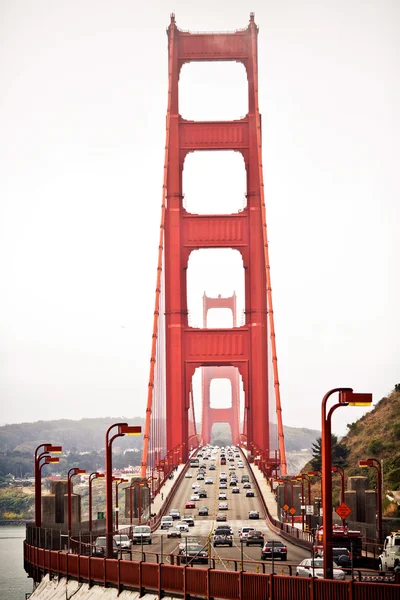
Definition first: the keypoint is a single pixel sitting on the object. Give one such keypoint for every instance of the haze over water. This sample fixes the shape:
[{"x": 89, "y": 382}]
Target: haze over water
[{"x": 14, "y": 583}]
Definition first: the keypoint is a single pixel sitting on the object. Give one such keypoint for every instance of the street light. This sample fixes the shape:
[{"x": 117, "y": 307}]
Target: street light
[
  {"x": 123, "y": 429},
  {"x": 71, "y": 473},
  {"x": 346, "y": 398},
  {"x": 375, "y": 464},
  {"x": 118, "y": 481},
  {"x": 46, "y": 449},
  {"x": 94, "y": 475},
  {"x": 301, "y": 480},
  {"x": 340, "y": 470},
  {"x": 305, "y": 476}
]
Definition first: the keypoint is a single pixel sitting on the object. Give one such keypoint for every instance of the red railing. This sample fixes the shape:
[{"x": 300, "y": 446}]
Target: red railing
[{"x": 203, "y": 582}]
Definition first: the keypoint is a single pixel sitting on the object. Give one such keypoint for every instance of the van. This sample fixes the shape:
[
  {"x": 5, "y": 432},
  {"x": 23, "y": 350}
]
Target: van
[
  {"x": 166, "y": 522},
  {"x": 141, "y": 535}
]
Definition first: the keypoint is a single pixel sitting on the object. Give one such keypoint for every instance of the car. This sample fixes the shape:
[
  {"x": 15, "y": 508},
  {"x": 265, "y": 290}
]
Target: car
[
  {"x": 240, "y": 464},
  {"x": 195, "y": 486},
  {"x": 249, "y": 494},
  {"x": 244, "y": 532},
  {"x": 314, "y": 567},
  {"x": 247, "y": 485},
  {"x": 189, "y": 520},
  {"x": 141, "y": 535},
  {"x": 192, "y": 553},
  {"x": 231, "y": 467},
  {"x": 200, "y": 477},
  {"x": 233, "y": 483},
  {"x": 99, "y": 548},
  {"x": 123, "y": 541},
  {"x": 221, "y": 517},
  {"x": 274, "y": 548},
  {"x": 255, "y": 538},
  {"x": 222, "y": 506},
  {"x": 222, "y": 540},
  {"x": 188, "y": 474},
  {"x": 187, "y": 540},
  {"x": 208, "y": 481},
  {"x": 222, "y": 475},
  {"x": 235, "y": 490},
  {"x": 190, "y": 504},
  {"x": 254, "y": 514},
  {"x": 244, "y": 479},
  {"x": 223, "y": 530},
  {"x": 166, "y": 522},
  {"x": 174, "y": 532},
  {"x": 222, "y": 496},
  {"x": 202, "y": 493},
  {"x": 175, "y": 513},
  {"x": 203, "y": 511},
  {"x": 182, "y": 526},
  {"x": 194, "y": 497},
  {"x": 223, "y": 486},
  {"x": 342, "y": 557},
  {"x": 212, "y": 467}
]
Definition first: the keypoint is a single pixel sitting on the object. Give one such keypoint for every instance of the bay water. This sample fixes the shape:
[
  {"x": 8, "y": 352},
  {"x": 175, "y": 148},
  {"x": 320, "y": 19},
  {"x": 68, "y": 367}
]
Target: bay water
[{"x": 14, "y": 583}]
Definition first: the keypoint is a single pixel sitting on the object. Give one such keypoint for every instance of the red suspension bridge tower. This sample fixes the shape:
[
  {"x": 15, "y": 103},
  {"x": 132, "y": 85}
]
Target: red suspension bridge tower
[
  {"x": 178, "y": 350},
  {"x": 219, "y": 415}
]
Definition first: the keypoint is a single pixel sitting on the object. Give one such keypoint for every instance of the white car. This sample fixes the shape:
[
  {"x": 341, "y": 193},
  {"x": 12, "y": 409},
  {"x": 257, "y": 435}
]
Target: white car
[
  {"x": 195, "y": 486},
  {"x": 310, "y": 567},
  {"x": 194, "y": 497},
  {"x": 223, "y": 506},
  {"x": 222, "y": 496},
  {"x": 240, "y": 464},
  {"x": 182, "y": 526},
  {"x": 188, "y": 474}
]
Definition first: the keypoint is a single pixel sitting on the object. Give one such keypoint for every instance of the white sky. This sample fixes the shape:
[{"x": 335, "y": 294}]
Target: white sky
[{"x": 82, "y": 118}]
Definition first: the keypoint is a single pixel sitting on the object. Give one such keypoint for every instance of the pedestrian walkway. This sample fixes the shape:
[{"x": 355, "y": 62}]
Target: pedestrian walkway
[
  {"x": 265, "y": 488},
  {"x": 163, "y": 494}
]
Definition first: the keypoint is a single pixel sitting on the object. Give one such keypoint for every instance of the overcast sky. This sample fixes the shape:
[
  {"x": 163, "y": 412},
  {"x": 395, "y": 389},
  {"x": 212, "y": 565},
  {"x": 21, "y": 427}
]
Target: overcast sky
[{"x": 82, "y": 120}]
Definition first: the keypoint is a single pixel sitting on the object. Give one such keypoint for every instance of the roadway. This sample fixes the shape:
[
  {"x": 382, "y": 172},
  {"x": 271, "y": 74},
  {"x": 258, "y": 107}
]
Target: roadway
[{"x": 237, "y": 516}]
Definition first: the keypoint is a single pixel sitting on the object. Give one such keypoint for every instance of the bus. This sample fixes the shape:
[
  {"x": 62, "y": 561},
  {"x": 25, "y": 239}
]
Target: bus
[{"x": 194, "y": 462}]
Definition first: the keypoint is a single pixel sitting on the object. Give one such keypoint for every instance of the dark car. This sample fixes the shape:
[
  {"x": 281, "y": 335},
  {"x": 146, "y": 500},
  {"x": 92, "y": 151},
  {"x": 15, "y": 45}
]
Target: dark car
[
  {"x": 249, "y": 494},
  {"x": 203, "y": 511},
  {"x": 342, "y": 557},
  {"x": 223, "y": 530},
  {"x": 244, "y": 479},
  {"x": 193, "y": 553},
  {"x": 222, "y": 540},
  {"x": 233, "y": 482},
  {"x": 99, "y": 549},
  {"x": 274, "y": 548},
  {"x": 202, "y": 493},
  {"x": 255, "y": 538}
]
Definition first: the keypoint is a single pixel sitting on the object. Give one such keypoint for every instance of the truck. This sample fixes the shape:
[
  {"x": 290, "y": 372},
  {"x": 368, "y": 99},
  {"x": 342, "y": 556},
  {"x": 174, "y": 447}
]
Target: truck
[
  {"x": 342, "y": 537},
  {"x": 390, "y": 557}
]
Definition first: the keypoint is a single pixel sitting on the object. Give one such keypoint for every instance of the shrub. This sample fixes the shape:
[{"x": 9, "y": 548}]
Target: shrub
[{"x": 375, "y": 447}]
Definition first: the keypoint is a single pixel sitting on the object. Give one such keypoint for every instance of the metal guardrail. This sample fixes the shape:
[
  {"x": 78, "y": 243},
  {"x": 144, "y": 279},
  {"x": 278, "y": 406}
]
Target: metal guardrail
[{"x": 164, "y": 579}]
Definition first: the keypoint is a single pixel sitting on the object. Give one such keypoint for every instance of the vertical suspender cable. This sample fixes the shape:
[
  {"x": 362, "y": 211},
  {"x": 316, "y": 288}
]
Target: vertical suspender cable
[
  {"x": 150, "y": 391},
  {"x": 270, "y": 310}
]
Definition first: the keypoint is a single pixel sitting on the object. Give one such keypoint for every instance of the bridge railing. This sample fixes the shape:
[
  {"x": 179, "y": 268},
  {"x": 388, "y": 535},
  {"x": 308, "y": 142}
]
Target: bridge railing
[{"x": 166, "y": 579}]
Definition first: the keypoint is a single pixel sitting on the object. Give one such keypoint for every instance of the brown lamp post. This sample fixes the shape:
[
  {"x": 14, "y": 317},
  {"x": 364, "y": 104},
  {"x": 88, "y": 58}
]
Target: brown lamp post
[
  {"x": 340, "y": 470},
  {"x": 118, "y": 481},
  {"x": 71, "y": 473},
  {"x": 346, "y": 398},
  {"x": 123, "y": 429},
  {"x": 46, "y": 450},
  {"x": 375, "y": 464},
  {"x": 92, "y": 476}
]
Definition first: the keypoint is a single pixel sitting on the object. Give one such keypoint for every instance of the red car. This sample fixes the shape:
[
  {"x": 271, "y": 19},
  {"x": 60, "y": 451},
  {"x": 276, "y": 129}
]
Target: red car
[{"x": 190, "y": 504}]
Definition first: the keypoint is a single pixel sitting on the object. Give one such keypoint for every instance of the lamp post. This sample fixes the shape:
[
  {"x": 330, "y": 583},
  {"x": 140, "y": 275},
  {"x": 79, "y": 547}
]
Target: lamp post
[
  {"x": 340, "y": 470},
  {"x": 71, "y": 473},
  {"x": 346, "y": 398},
  {"x": 46, "y": 449},
  {"x": 123, "y": 429},
  {"x": 306, "y": 477},
  {"x": 375, "y": 464},
  {"x": 94, "y": 475},
  {"x": 301, "y": 480},
  {"x": 118, "y": 481}
]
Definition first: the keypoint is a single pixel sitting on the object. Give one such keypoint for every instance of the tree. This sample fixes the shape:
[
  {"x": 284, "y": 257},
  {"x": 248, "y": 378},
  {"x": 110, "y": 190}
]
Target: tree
[{"x": 339, "y": 453}]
